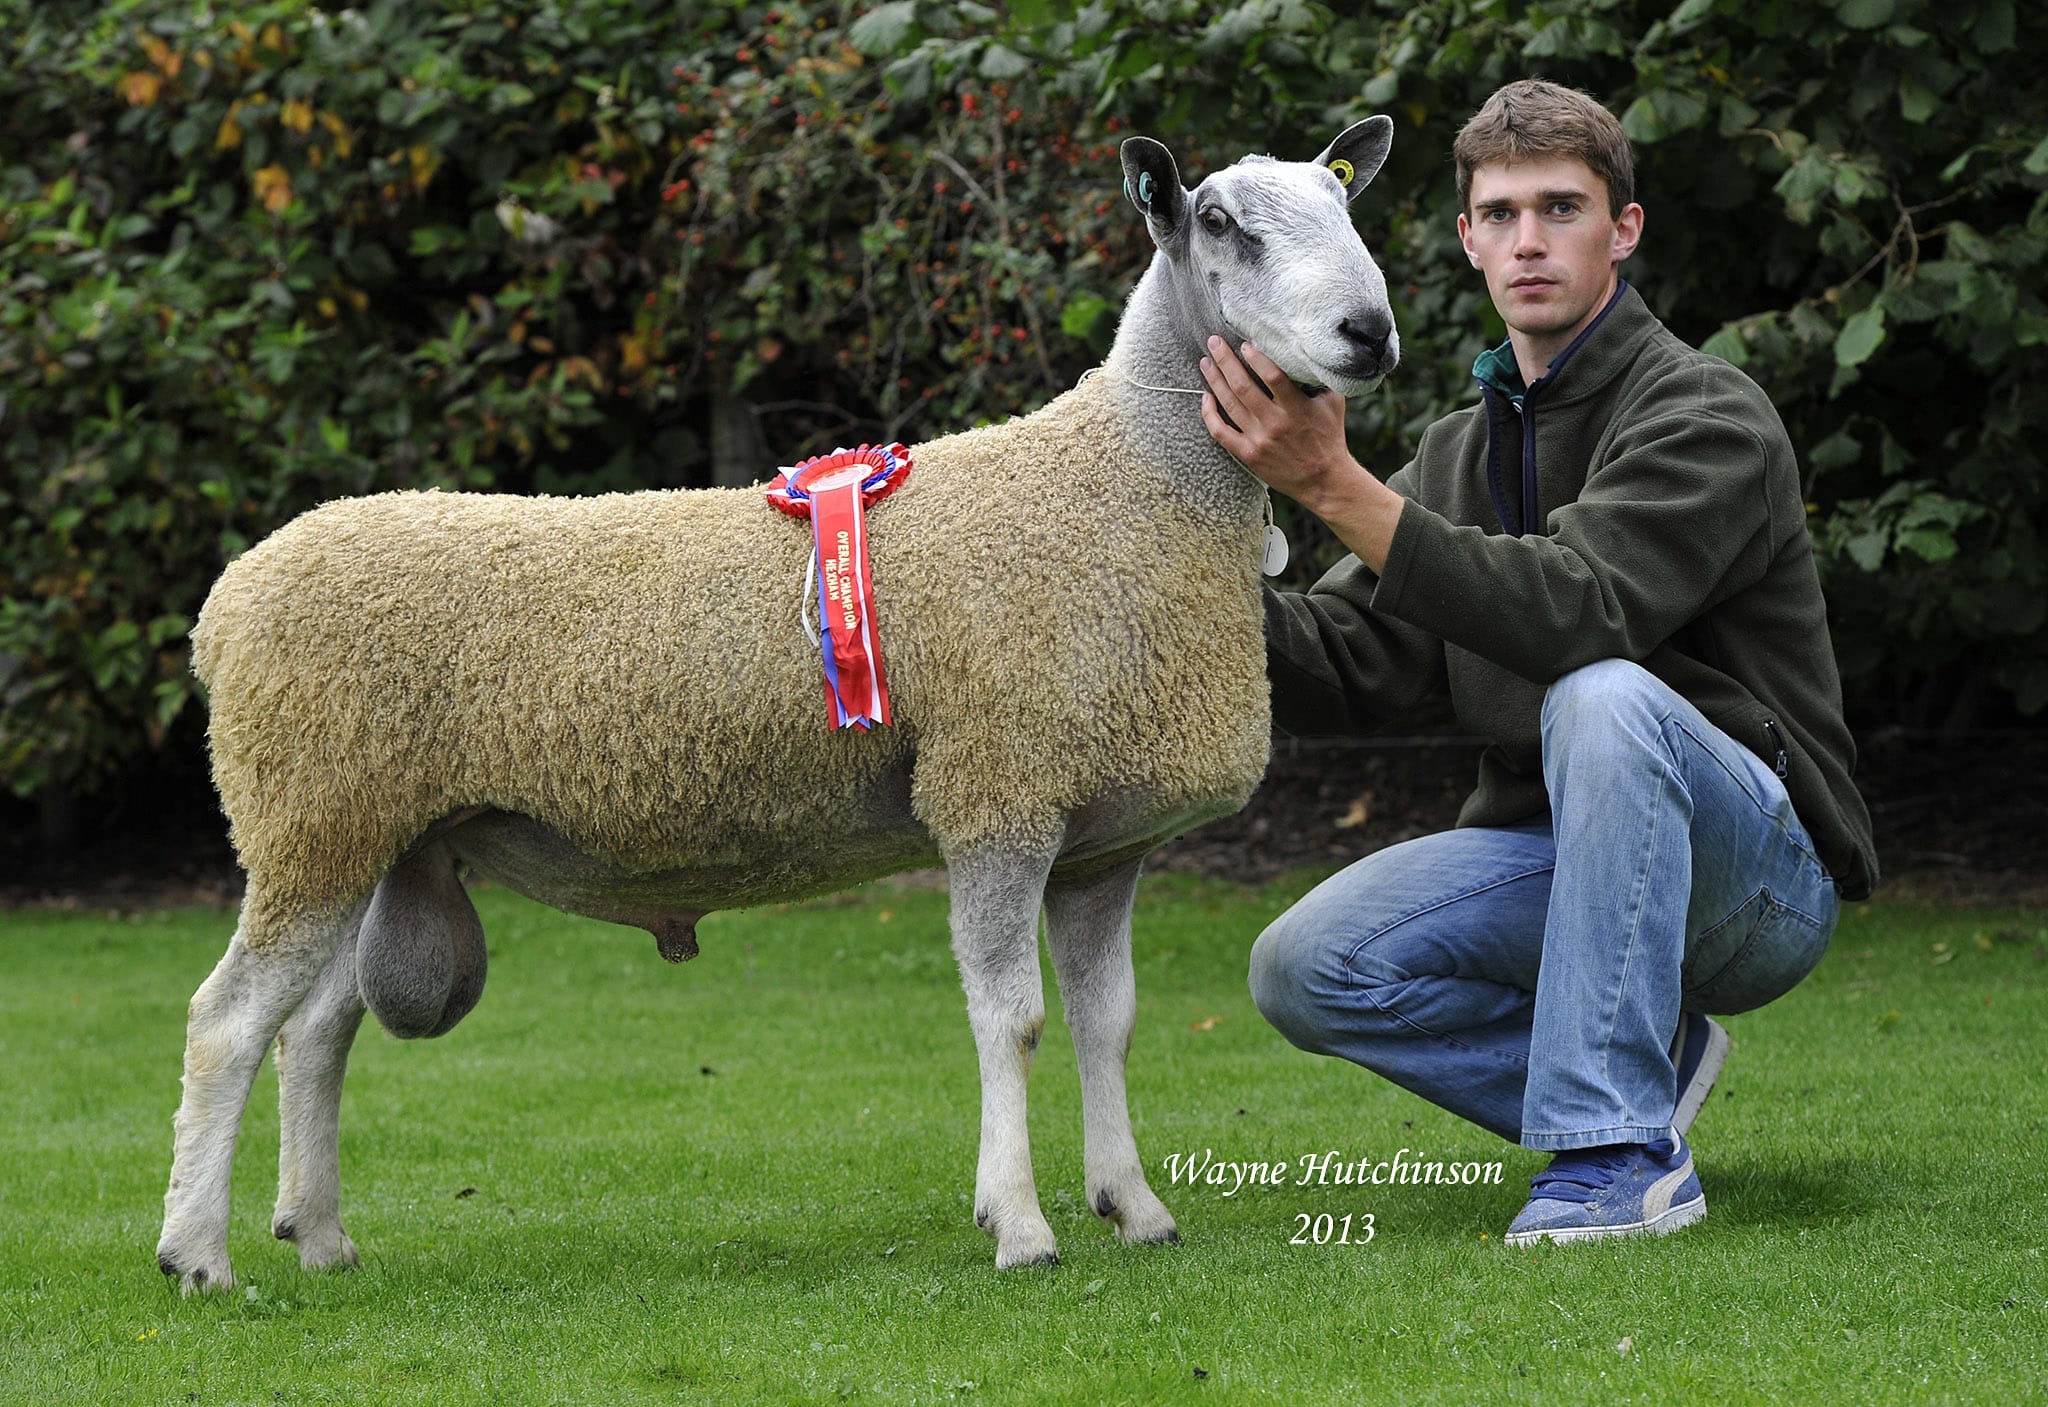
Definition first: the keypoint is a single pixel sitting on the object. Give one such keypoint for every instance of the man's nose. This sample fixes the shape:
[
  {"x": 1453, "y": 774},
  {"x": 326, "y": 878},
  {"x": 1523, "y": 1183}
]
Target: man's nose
[{"x": 1528, "y": 234}]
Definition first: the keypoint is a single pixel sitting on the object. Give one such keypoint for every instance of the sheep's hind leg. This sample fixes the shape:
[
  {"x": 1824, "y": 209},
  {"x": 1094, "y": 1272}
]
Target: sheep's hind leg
[
  {"x": 312, "y": 1061},
  {"x": 996, "y": 897},
  {"x": 237, "y": 1011},
  {"x": 1088, "y": 928}
]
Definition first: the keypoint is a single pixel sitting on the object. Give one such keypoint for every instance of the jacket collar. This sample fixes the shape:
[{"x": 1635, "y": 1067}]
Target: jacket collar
[{"x": 1605, "y": 346}]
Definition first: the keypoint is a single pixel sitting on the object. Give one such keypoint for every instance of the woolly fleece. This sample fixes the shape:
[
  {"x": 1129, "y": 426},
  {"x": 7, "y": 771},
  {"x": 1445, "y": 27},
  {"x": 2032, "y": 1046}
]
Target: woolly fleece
[{"x": 1063, "y": 624}]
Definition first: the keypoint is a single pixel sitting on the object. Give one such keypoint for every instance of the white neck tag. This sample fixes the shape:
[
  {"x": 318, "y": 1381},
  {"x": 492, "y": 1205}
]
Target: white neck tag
[{"x": 1274, "y": 560}]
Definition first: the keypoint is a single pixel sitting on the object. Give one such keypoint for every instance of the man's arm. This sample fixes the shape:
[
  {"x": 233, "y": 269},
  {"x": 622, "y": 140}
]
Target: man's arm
[
  {"x": 1678, "y": 517},
  {"x": 1336, "y": 665},
  {"x": 1295, "y": 444}
]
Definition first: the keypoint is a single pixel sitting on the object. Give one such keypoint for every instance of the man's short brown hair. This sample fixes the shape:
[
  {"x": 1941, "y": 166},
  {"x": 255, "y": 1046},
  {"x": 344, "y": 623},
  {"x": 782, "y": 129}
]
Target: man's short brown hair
[{"x": 1531, "y": 119}]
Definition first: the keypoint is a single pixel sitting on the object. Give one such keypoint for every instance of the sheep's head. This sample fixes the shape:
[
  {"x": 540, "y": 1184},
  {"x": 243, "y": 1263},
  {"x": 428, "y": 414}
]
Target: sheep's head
[{"x": 1264, "y": 250}]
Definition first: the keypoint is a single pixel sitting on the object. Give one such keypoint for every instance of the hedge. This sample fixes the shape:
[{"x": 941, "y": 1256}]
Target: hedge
[{"x": 257, "y": 255}]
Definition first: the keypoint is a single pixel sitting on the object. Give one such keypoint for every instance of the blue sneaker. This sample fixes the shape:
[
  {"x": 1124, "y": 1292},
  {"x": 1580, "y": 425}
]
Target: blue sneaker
[
  {"x": 1698, "y": 1052},
  {"x": 1624, "y": 1189}
]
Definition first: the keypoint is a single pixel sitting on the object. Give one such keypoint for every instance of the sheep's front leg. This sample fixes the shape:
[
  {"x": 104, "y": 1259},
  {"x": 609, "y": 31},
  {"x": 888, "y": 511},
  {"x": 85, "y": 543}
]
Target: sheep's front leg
[
  {"x": 995, "y": 936},
  {"x": 232, "y": 1020},
  {"x": 312, "y": 1061},
  {"x": 1088, "y": 928}
]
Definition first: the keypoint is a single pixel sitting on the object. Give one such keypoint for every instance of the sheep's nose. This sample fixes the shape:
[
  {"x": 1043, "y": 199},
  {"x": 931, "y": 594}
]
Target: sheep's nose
[{"x": 1369, "y": 333}]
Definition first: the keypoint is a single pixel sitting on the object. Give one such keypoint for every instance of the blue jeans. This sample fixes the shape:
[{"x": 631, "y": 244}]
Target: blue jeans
[{"x": 1530, "y": 978}]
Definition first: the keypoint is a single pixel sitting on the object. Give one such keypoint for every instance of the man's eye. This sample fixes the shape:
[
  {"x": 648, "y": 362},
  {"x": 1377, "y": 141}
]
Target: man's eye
[
  {"x": 1564, "y": 207},
  {"x": 1214, "y": 220}
]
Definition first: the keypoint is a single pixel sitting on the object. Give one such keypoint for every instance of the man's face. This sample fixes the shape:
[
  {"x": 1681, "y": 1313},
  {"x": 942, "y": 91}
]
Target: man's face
[{"x": 1540, "y": 232}]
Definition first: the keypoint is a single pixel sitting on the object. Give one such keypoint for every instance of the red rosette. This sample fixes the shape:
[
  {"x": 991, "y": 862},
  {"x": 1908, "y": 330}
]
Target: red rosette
[
  {"x": 834, "y": 491},
  {"x": 883, "y": 468}
]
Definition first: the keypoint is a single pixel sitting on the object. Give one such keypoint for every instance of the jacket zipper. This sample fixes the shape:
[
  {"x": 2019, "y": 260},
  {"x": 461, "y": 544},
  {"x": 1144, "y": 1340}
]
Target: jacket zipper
[
  {"x": 1530, "y": 518},
  {"x": 1778, "y": 743}
]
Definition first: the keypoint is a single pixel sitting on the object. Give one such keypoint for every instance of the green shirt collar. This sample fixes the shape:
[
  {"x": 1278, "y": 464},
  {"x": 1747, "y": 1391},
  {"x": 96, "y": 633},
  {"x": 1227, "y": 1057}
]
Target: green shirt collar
[{"x": 1496, "y": 367}]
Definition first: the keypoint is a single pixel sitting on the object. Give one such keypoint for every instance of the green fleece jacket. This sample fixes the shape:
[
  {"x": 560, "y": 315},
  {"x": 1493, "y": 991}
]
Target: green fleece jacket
[{"x": 1642, "y": 503}]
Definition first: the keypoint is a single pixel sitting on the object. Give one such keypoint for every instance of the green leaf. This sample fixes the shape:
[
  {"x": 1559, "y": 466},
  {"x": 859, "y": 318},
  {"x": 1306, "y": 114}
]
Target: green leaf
[
  {"x": 1866, "y": 550},
  {"x": 165, "y": 629},
  {"x": 1917, "y": 101},
  {"x": 883, "y": 29},
  {"x": 1641, "y": 122},
  {"x": 1929, "y": 544},
  {"x": 910, "y": 77},
  {"x": 2036, "y": 162},
  {"x": 1727, "y": 344},
  {"x": 1861, "y": 335},
  {"x": 1836, "y": 451},
  {"x": 1079, "y": 317},
  {"x": 999, "y": 62},
  {"x": 1737, "y": 117},
  {"x": 186, "y": 137},
  {"x": 1865, "y": 14},
  {"x": 1993, "y": 33},
  {"x": 1556, "y": 39}
]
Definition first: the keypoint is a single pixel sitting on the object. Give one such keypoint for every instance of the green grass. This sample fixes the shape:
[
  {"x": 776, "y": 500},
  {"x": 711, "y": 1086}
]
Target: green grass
[{"x": 749, "y": 1179}]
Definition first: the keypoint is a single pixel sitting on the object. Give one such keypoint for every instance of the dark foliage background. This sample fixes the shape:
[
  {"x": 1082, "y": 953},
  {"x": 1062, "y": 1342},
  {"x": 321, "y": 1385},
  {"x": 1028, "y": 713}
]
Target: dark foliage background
[{"x": 257, "y": 255}]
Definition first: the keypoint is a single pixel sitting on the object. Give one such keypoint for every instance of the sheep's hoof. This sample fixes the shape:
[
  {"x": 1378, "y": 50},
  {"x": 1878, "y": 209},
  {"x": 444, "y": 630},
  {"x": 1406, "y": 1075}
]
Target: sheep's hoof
[
  {"x": 212, "y": 1278},
  {"x": 327, "y": 1248},
  {"x": 1140, "y": 1218},
  {"x": 1021, "y": 1246}
]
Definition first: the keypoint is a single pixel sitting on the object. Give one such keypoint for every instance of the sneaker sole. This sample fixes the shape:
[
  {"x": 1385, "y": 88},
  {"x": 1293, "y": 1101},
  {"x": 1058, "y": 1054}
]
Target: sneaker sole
[
  {"x": 1673, "y": 1219},
  {"x": 1693, "y": 1097}
]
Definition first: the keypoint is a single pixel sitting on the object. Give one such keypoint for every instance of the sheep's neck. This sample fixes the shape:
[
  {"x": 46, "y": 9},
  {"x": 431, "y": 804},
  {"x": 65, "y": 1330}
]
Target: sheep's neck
[{"x": 1160, "y": 343}]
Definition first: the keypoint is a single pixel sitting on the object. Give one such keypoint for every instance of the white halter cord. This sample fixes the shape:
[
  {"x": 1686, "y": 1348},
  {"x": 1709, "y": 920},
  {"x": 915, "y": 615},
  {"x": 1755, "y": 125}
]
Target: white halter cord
[
  {"x": 1126, "y": 376},
  {"x": 811, "y": 580}
]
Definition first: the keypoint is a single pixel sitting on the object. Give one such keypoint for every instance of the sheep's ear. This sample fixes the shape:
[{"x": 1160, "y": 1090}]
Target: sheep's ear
[
  {"x": 1152, "y": 181},
  {"x": 1358, "y": 152}
]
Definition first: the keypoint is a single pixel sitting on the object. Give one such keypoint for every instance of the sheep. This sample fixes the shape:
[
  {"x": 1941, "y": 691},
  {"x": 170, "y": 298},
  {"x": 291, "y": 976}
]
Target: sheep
[{"x": 606, "y": 704}]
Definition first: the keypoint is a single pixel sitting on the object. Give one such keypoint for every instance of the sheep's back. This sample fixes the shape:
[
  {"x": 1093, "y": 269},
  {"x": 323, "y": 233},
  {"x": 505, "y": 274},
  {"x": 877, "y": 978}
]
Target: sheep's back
[{"x": 631, "y": 668}]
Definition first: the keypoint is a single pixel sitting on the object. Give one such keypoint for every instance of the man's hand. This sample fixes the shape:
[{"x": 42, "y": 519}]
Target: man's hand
[{"x": 1295, "y": 443}]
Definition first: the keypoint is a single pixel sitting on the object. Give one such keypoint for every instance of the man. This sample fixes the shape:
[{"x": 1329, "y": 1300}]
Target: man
[{"x": 1606, "y": 562}]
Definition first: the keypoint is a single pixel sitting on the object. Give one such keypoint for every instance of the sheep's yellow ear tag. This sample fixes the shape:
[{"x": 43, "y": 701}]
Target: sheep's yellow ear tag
[{"x": 1346, "y": 172}]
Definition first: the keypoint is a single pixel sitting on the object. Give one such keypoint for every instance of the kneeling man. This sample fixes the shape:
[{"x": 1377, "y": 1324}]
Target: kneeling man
[{"x": 1606, "y": 562}]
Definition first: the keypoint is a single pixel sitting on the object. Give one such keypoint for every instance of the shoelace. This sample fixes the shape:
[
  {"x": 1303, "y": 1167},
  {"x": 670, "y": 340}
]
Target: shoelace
[{"x": 1580, "y": 1175}]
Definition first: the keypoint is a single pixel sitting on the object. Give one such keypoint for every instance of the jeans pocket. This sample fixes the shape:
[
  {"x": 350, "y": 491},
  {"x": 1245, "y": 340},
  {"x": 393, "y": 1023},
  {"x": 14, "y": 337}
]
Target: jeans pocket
[{"x": 1755, "y": 955}]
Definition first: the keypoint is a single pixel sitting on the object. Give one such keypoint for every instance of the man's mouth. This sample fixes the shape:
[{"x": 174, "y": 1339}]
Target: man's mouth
[{"x": 1532, "y": 283}]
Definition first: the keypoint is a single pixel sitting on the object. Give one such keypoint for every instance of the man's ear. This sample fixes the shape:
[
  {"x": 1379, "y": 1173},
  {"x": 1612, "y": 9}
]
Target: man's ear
[
  {"x": 1358, "y": 152},
  {"x": 1152, "y": 182}
]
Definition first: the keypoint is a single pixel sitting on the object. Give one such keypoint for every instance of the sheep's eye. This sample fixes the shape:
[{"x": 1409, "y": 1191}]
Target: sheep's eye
[{"x": 1214, "y": 220}]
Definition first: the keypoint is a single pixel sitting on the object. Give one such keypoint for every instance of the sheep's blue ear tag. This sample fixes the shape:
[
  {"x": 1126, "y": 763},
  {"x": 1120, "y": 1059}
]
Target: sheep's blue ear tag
[
  {"x": 1143, "y": 198},
  {"x": 1346, "y": 173}
]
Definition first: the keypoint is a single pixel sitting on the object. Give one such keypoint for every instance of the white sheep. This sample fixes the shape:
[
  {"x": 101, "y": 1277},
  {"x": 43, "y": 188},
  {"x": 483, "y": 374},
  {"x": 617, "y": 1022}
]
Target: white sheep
[{"x": 606, "y": 704}]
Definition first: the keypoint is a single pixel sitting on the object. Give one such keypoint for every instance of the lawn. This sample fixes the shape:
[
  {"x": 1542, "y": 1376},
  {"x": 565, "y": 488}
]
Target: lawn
[{"x": 748, "y": 1178}]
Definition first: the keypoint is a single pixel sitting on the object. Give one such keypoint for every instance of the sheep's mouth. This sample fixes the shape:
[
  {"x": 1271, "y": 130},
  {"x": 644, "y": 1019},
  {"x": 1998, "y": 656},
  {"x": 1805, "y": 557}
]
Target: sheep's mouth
[{"x": 1364, "y": 372}]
